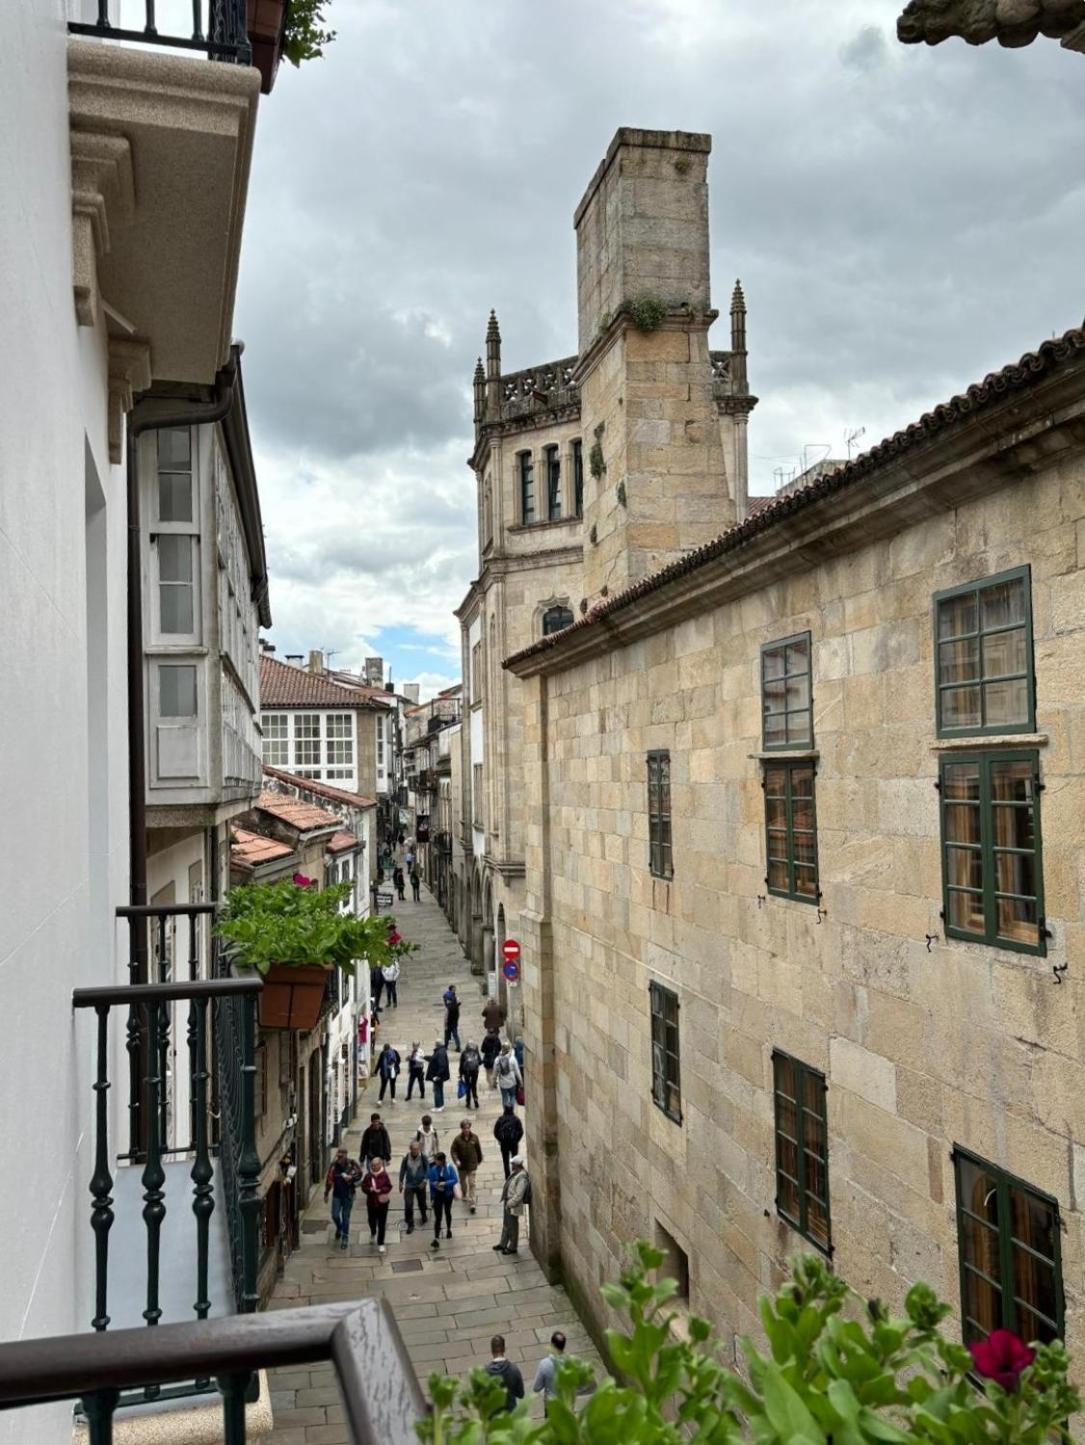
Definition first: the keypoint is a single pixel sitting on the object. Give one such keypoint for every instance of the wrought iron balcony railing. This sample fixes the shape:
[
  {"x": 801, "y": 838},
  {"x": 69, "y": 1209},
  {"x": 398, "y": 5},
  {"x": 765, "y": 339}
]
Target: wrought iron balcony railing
[
  {"x": 380, "y": 1393},
  {"x": 219, "y": 30}
]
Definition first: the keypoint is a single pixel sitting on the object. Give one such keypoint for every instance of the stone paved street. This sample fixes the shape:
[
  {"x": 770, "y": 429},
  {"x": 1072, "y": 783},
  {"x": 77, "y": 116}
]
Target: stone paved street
[{"x": 448, "y": 1302}]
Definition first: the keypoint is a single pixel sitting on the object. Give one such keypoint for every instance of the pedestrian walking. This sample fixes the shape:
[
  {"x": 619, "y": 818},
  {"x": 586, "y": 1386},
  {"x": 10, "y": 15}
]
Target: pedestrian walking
[
  {"x": 515, "y": 1196},
  {"x": 466, "y": 1154},
  {"x": 341, "y": 1181},
  {"x": 508, "y": 1075},
  {"x": 493, "y": 1016},
  {"x": 452, "y": 1017},
  {"x": 443, "y": 1182},
  {"x": 505, "y": 1371},
  {"x": 546, "y": 1373},
  {"x": 376, "y": 985},
  {"x": 410, "y": 859},
  {"x": 416, "y": 885},
  {"x": 470, "y": 1063},
  {"x": 427, "y": 1140},
  {"x": 398, "y": 880},
  {"x": 438, "y": 1072},
  {"x": 390, "y": 977},
  {"x": 508, "y": 1131},
  {"x": 388, "y": 1069},
  {"x": 375, "y": 1143},
  {"x": 416, "y": 1070},
  {"x": 377, "y": 1188},
  {"x": 491, "y": 1047},
  {"x": 413, "y": 1179},
  {"x": 518, "y": 1050}
]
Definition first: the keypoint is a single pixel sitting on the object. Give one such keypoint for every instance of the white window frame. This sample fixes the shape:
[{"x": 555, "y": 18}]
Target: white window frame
[
  {"x": 190, "y": 529},
  {"x": 273, "y": 737}
]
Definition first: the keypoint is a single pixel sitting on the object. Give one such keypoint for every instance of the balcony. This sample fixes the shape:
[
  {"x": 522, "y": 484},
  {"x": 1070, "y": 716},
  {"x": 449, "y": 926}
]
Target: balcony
[{"x": 161, "y": 145}]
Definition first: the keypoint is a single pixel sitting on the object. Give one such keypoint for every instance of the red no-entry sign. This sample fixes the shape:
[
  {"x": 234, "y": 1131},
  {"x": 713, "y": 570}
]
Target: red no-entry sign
[{"x": 511, "y": 949}]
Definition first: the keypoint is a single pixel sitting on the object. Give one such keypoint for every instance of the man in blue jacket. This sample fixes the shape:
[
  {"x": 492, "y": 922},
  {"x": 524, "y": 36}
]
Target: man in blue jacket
[
  {"x": 437, "y": 1072},
  {"x": 443, "y": 1180}
]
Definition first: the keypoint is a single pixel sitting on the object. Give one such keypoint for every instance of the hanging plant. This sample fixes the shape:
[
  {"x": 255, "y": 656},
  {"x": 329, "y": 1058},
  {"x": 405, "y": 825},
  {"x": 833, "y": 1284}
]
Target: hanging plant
[{"x": 296, "y": 924}]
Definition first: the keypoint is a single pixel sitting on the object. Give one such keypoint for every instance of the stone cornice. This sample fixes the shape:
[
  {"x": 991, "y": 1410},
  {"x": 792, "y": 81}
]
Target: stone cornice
[
  {"x": 735, "y": 405},
  {"x": 507, "y": 564},
  {"x": 684, "y": 319},
  {"x": 490, "y": 431},
  {"x": 509, "y": 868}
]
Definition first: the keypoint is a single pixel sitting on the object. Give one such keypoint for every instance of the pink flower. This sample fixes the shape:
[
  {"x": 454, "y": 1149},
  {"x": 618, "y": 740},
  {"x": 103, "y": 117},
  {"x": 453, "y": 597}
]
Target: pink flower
[
  {"x": 1001, "y": 1357},
  {"x": 301, "y": 880},
  {"x": 394, "y": 938}
]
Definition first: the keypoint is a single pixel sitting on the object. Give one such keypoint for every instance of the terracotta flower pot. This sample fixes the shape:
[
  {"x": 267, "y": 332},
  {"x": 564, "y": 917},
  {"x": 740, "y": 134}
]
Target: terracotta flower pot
[
  {"x": 266, "y": 21},
  {"x": 292, "y": 997}
]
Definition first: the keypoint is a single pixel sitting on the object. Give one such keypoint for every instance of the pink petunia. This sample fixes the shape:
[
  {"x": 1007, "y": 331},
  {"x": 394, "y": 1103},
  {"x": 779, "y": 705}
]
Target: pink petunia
[{"x": 1002, "y": 1357}]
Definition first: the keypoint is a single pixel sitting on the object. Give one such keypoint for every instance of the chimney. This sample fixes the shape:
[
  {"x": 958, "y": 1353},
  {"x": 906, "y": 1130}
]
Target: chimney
[
  {"x": 316, "y": 660},
  {"x": 295, "y": 659},
  {"x": 657, "y": 484},
  {"x": 374, "y": 671}
]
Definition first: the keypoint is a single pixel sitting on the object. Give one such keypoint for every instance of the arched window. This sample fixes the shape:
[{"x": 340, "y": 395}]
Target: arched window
[{"x": 555, "y": 618}]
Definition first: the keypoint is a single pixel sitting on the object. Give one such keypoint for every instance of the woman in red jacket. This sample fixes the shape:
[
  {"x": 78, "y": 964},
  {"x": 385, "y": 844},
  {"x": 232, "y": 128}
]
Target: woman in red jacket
[{"x": 377, "y": 1188}]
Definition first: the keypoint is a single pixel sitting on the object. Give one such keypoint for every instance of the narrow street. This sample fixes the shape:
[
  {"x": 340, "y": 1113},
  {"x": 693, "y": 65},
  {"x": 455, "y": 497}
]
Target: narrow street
[{"x": 448, "y": 1302}]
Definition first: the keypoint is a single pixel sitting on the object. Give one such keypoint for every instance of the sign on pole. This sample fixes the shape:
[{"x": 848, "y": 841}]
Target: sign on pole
[
  {"x": 511, "y": 969},
  {"x": 511, "y": 949}
]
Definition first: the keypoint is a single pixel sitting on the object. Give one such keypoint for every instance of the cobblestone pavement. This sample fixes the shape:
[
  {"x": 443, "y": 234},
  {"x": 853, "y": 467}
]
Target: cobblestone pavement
[{"x": 448, "y": 1302}]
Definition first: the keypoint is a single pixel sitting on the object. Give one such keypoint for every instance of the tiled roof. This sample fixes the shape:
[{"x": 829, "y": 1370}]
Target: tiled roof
[
  {"x": 284, "y": 686},
  {"x": 322, "y": 790},
  {"x": 252, "y": 849},
  {"x": 298, "y": 814},
  {"x": 1018, "y": 376},
  {"x": 341, "y": 842}
]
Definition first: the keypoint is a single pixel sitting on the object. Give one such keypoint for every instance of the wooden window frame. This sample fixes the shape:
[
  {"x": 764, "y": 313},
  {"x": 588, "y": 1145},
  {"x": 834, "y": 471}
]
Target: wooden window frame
[
  {"x": 658, "y": 997},
  {"x": 789, "y": 766},
  {"x": 802, "y": 1112},
  {"x": 984, "y": 760},
  {"x": 526, "y": 471},
  {"x": 660, "y": 850},
  {"x": 984, "y": 729},
  {"x": 1006, "y": 1283},
  {"x": 790, "y": 744}
]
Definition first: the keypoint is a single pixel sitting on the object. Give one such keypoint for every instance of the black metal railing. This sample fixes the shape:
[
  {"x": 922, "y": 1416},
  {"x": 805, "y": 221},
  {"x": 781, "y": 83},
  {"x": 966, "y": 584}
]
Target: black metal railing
[
  {"x": 235, "y": 1056},
  {"x": 381, "y": 1398},
  {"x": 219, "y": 29},
  {"x": 148, "y": 1005}
]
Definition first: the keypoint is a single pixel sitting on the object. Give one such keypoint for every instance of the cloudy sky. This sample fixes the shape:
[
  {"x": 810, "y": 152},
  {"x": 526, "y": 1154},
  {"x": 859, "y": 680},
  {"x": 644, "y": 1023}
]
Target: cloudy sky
[{"x": 903, "y": 221}]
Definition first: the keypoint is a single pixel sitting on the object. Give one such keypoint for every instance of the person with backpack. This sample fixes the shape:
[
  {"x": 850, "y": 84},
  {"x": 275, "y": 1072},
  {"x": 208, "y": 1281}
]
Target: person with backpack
[
  {"x": 416, "y": 1070},
  {"x": 467, "y": 1156},
  {"x": 443, "y": 1182},
  {"x": 398, "y": 881},
  {"x": 491, "y": 1047},
  {"x": 508, "y": 1075},
  {"x": 470, "y": 1063},
  {"x": 508, "y": 1131},
  {"x": 377, "y": 1188},
  {"x": 388, "y": 1069},
  {"x": 515, "y": 1197},
  {"x": 413, "y": 1180},
  {"x": 452, "y": 1017},
  {"x": 416, "y": 885},
  {"x": 427, "y": 1140},
  {"x": 375, "y": 1143},
  {"x": 438, "y": 1073},
  {"x": 341, "y": 1182},
  {"x": 390, "y": 978}
]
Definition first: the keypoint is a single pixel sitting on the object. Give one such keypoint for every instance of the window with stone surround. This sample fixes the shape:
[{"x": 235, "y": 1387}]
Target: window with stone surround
[
  {"x": 578, "y": 478},
  {"x": 666, "y": 1074},
  {"x": 555, "y": 618},
  {"x": 984, "y": 678},
  {"x": 1009, "y": 1252},
  {"x": 553, "y": 484},
  {"x": 527, "y": 488},
  {"x": 477, "y": 815},
  {"x": 802, "y": 1149},
  {"x": 992, "y": 869},
  {"x": 786, "y": 703},
  {"x": 791, "y": 839},
  {"x": 660, "y": 853}
]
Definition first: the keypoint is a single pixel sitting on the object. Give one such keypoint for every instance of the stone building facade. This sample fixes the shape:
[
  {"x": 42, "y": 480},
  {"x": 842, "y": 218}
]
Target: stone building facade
[
  {"x": 805, "y": 877},
  {"x": 539, "y": 469}
]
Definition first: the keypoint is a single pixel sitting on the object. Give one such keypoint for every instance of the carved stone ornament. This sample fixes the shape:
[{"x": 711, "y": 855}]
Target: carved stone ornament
[
  {"x": 103, "y": 196},
  {"x": 1010, "y": 22}
]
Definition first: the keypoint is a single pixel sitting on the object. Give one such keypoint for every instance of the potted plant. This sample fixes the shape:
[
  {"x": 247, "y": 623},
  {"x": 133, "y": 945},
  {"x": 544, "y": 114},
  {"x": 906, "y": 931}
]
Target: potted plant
[
  {"x": 293, "y": 934},
  {"x": 294, "y": 28}
]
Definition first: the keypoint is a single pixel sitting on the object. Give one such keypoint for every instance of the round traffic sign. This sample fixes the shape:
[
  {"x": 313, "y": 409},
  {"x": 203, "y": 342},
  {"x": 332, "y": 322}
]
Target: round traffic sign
[
  {"x": 511, "y": 949},
  {"x": 511, "y": 969}
]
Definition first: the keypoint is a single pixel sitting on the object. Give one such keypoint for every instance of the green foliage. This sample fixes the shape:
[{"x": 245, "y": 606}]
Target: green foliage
[
  {"x": 266, "y": 923},
  {"x": 305, "y": 36},
  {"x": 648, "y": 313},
  {"x": 836, "y": 1372},
  {"x": 596, "y": 465}
]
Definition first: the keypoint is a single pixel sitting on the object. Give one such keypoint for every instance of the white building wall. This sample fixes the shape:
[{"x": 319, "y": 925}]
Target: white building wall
[
  {"x": 62, "y": 705},
  {"x": 477, "y": 734}
]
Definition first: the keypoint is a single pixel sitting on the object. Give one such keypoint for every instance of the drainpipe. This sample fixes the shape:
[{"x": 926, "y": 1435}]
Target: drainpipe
[{"x": 149, "y": 414}]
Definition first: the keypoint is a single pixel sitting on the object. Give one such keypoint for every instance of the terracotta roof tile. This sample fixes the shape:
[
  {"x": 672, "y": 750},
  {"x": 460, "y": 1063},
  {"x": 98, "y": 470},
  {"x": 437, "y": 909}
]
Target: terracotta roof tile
[
  {"x": 341, "y": 842},
  {"x": 1018, "y": 376},
  {"x": 284, "y": 686},
  {"x": 251, "y": 849},
  {"x": 322, "y": 790},
  {"x": 298, "y": 814}
]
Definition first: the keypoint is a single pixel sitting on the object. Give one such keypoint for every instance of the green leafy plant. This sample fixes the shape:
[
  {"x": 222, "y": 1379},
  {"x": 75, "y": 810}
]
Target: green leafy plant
[
  {"x": 647, "y": 313},
  {"x": 596, "y": 465},
  {"x": 297, "y": 924},
  {"x": 836, "y": 1372},
  {"x": 305, "y": 36}
]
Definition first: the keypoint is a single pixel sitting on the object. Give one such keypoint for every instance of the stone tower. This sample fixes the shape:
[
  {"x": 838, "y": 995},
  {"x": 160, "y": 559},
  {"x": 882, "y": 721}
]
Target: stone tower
[{"x": 656, "y": 483}]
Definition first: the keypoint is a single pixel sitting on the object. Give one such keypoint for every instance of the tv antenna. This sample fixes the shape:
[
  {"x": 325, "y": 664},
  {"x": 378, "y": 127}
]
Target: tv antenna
[{"x": 852, "y": 437}]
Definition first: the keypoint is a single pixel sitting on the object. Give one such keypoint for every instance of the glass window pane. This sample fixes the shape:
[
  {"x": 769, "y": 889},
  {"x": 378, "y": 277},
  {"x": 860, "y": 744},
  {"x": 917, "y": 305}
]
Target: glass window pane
[
  {"x": 1006, "y": 703},
  {"x": 175, "y": 497},
  {"x": 966, "y": 912},
  {"x": 798, "y": 656},
  {"x": 775, "y": 728},
  {"x": 174, "y": 559},
  {"x": 778, "y": 873},
  {"x": 177, "y": 691},
  {"x": 772, "y": 663},
  {"x": 1034, "y": 1222},
  {"x": 1004, "y": 653},
  {"x": 802, "y": 814},
  {"x": 1017, "y": 920},
  {"x": 806, "y": 881},
  {"x": 802, "y": 782},
  {"x": 1012, "y": 827},
  {"x": 962, "y": 822},
  {"x": 964, "y": 867},
  {"x": 982, "y": 1307},
  {"x": 959, "y": 661},
  {"x": 957, "y": 615},
  {"x": 776, "y": 812},
  {"x": 961, "y": 707},
  {"x": 979, "y": 1194},
  {"x": 783, "y": 1070},
  {"x": 1032, "y": 1328},
  {"x": 175, "y": 448},
  {"x": 1003, "y": 603},
  {"x": 817, "y": 1221},
  {"x": 798, "y": 692},
  {"x": 1015, "y": 873},
  {"x": 798, "y": 728},
  {"x": 961, "y": 780},
  {"x": 775, "y": 782},
  {"x": 175, "y": 606},
  {"x": 805, "y": 848}
]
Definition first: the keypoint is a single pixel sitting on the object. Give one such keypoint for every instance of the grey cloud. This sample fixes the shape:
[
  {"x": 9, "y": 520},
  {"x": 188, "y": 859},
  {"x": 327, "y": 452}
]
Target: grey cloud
[{"x": 867, "y": 50}]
